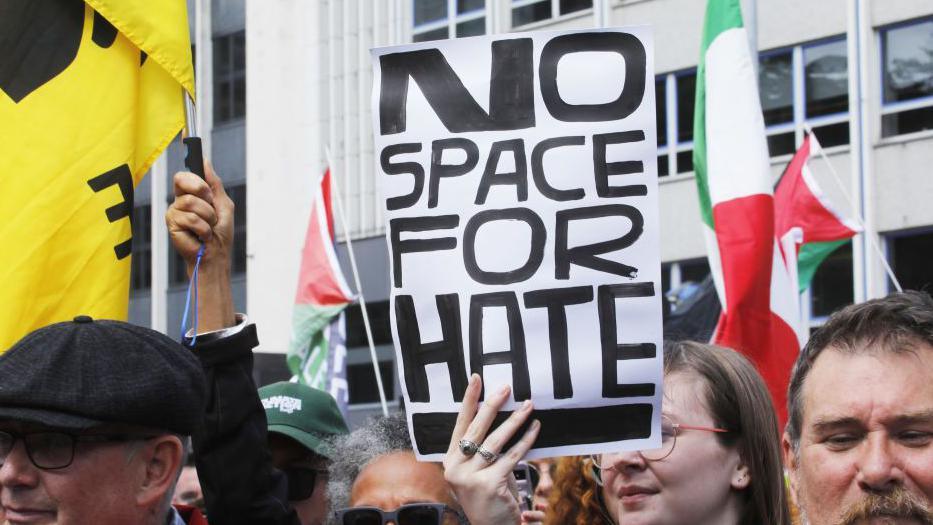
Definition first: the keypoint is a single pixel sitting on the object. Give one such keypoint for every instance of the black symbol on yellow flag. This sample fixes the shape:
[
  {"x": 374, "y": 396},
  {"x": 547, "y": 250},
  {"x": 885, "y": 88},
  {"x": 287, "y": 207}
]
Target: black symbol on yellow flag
[
  {"x": 84, "y": 112},
  {"x": 39, "y": 39},
  {"x": 123, "y": 179}
]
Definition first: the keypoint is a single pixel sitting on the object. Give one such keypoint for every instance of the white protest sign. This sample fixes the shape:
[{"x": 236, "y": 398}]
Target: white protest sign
[{"x": 520, "y": 179}]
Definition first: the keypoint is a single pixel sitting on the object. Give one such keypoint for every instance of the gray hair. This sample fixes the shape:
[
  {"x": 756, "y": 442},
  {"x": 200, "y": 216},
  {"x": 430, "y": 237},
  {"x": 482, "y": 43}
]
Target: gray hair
[
  {"x": 892, "y": 324},
  {"x": 378, "y": 437}
]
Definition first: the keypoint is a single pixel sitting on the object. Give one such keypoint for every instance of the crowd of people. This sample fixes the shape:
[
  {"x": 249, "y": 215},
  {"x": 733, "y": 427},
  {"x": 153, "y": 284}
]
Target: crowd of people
[{"x": 98, "y": 419}]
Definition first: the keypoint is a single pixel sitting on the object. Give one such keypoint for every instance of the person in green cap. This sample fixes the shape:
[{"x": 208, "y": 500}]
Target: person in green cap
[{"x": 301, "y": 421}]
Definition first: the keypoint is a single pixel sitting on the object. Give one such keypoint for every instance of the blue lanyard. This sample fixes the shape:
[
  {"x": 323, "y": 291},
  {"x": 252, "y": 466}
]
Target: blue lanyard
[{"x": 193, "y": 284}]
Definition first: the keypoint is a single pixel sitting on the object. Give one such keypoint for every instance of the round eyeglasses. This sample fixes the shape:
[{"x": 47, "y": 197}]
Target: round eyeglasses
[{"x": 669, "y": 433}]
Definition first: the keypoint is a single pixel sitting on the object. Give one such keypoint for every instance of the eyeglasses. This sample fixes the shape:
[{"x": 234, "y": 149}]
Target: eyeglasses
[
  {"x": 669, "y": 432},
  {"x": 535, "y": 476},
  {"x": 301, "y": 482},
  {"x": 410, "y": 514},
  {"x": 55, "y": 450}
]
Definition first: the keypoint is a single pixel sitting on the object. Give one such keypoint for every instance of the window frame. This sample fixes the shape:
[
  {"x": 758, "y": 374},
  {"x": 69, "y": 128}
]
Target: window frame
[
  {"x": 451, "y": 21},
  {"x": 675, "y": 269},
  {"x": 555, "y": 13},
  {"x": 226, "y": 82},
  {"x": 891, "y": 108},
  {"x": 810, "y": 320},
  {"x": 672, "y": 146},
  {"x": 887, "y": 248},
  {"x": 800, "y": 121},
  {"x": 798, "y": 124}
]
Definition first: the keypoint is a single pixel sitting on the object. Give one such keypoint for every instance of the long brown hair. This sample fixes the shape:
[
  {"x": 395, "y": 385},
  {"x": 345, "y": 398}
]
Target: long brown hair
[
  {"x": 738, "y": 400},
  {"x": 575, "y": 499}
]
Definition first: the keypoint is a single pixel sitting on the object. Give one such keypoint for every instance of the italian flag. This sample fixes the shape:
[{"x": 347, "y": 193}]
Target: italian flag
[
  {"x": 807, "y": 224},
  {"x": 758, "y": 296},
  {"x": 322, "y": 295}
]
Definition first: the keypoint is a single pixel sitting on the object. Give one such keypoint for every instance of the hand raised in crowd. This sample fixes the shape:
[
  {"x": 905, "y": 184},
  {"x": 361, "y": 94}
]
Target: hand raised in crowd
[
  {"x": 477, "y": 468},
  {"x": 202, "y": 212}
]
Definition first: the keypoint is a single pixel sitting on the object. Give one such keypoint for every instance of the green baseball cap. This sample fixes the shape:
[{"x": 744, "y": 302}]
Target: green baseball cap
[{"x": 307, "y": 415}]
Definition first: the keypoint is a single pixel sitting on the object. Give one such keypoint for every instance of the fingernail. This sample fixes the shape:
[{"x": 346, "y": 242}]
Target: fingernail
[
  {"x": 504, "y": 389},
  {"x": 473, "y": 379},
  {"x": 536, "y": 424},
  {"x": 526, "y": 405}
]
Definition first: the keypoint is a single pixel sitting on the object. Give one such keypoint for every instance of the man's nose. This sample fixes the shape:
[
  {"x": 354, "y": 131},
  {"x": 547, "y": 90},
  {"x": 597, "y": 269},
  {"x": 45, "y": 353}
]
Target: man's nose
[
  {"x": 17, "y": 470},
  {"x": 879, "y": 468}
]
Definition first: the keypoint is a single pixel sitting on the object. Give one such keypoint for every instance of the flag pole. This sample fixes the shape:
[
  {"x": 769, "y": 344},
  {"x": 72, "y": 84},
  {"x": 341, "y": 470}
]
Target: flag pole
[
  {"x": 750, "y": 21},
  {"x": 158, "y": 179},
  {"x": 338, "y": 200},
  {"x": 869, "y": 235}
]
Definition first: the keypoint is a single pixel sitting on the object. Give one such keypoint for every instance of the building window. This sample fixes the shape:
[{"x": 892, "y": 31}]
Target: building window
[
  {"x": 361, "y": 382},
  {"x": 526, "y": 12},
  {"x": 238, "y": 195},
  {"x": 141, "y": 265},
  {"x": 907, "y": 85},
  {"x": 177, "y": 272},
  {"x": 378, "y": 321},
  {"x": 831, "y": 286},
  {"x": 360, "y": 379},
  {"x": 805, "y": 84},
  {"x": 441, "y": 19},
  {"x": 680, "y": 279},
  {"x": 229, "y": 77},
  {"x": 910, "y": 257},
  {"x": 674, "y": 97}
]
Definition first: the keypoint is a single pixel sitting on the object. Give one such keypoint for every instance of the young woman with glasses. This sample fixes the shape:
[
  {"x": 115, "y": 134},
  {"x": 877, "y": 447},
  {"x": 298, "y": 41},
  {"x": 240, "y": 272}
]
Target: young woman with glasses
[{"x": 719, "y": 462}]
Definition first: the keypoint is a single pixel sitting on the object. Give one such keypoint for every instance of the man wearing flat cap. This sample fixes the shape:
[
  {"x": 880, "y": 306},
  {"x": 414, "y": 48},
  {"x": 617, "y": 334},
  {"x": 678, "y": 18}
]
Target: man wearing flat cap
[{"x": 94, "y": 418}]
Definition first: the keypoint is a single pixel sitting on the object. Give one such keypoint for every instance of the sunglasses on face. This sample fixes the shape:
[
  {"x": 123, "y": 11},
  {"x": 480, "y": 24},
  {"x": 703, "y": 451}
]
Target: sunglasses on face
[
  {"x": 301, "y": 482},
  {"x": 410, "y": 514}
]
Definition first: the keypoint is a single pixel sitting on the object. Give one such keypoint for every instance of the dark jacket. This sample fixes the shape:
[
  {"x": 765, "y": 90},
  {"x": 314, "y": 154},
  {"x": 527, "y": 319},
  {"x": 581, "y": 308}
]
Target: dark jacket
[{"x": 234, "y": 465}]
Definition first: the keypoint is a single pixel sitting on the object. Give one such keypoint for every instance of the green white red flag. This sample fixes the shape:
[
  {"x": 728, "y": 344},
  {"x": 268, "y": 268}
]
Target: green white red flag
[
  {"x": 759, "y": 299},
  {"x": 322, "y": 295},
  {"x": 806, "y": 222}
]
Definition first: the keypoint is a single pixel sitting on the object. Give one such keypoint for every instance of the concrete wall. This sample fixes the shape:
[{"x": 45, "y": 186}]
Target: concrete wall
[{"x": 284, "y": 156}]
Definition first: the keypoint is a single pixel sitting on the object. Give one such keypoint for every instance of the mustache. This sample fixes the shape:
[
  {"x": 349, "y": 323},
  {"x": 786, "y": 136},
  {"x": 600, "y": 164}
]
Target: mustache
[{"x": 898, "y": 503}]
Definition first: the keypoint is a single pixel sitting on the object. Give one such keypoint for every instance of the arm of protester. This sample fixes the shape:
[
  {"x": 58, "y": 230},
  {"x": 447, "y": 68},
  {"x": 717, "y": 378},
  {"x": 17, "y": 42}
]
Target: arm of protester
[
  {"x": 203, "y": 213},
  {"x": 486, "y": 488},
  {"x": 234, "y": 465}
]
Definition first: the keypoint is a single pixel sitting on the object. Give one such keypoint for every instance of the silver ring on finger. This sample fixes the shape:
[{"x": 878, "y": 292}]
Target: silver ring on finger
[
  {"x": 468, "y": 448},
  {"x": 489, "y": 456}
]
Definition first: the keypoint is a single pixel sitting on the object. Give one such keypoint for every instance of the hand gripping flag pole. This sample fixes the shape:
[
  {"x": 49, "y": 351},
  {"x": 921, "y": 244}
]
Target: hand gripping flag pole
[
  {"x": 194, "y": 161},
  {"x": 194, "y": 157}
]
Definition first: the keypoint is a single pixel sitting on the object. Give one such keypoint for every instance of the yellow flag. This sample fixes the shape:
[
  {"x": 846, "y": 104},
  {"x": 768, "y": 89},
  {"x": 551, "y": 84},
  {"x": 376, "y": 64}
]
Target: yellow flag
[{"x": 90, "y": 95}]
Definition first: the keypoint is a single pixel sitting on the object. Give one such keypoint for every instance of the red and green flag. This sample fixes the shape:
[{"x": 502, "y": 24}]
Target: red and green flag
[
  {"x": 322, "y": 295},
  {"x": 808, "y": 225},
  {"x": 758, "y": 297}
]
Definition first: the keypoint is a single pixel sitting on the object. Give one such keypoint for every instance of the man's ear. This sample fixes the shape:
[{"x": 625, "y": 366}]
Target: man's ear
[
  {"x": 161, "y": 461},
  {"x": 791, "y": 464}
]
